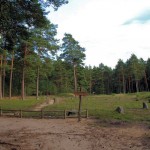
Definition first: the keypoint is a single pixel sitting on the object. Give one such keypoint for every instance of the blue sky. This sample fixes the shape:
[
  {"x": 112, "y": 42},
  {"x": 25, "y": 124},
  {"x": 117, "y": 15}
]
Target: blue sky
[
  {"x": 108, "y": 29},
  {"x": 142, "y": 18}
]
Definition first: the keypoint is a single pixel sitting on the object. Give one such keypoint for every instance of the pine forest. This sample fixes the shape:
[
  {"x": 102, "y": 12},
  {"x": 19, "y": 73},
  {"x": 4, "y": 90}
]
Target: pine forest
[{"x": 34, "y": 62}]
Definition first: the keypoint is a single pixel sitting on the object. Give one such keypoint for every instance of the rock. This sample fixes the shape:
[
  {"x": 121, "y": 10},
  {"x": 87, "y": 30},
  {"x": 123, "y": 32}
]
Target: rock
[
  {"x": 145, "y": 105},
  {"x": 72, "y": 112},
  {"x": 120, "y": 110}
]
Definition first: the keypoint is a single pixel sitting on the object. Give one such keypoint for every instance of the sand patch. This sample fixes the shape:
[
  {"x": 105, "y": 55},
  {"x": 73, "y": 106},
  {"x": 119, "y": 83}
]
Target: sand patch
[{"x": 68, "y": 134}]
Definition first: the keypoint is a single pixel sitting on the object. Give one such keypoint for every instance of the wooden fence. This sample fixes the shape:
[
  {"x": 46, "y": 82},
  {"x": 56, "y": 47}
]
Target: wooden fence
[{"x": 43, "y": 113}]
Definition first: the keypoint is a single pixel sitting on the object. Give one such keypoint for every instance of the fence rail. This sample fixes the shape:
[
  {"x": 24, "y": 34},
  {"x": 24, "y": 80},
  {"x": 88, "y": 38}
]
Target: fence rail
[{"x": 43, "y": 113}]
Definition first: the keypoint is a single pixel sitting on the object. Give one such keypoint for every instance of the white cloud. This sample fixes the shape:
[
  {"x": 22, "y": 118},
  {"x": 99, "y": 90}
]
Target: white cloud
[{"x": 97, "y": 25}]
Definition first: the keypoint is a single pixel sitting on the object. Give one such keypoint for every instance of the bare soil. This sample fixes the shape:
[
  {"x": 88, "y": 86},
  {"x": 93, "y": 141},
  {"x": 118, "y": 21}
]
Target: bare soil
[
  {"x": 46, "y": 103},
  {"x": 68, "y": 134}
]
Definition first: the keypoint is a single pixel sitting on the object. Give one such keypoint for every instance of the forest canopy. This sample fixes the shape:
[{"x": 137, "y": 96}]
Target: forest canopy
[{"x": 31, "y": 65}]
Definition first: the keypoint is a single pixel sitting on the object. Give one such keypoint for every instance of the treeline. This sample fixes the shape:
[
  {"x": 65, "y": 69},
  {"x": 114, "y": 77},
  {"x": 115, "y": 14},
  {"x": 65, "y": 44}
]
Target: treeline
[
  {"x": 30, "y": 64},
  {"x": 127, "y": 77},
  {"x": 53, "y": 76}
]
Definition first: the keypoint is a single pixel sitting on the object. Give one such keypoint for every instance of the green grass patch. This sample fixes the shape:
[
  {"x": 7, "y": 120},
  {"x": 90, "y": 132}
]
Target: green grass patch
[
  {"x": 18, "y": 104},
  {"x": 99, "y": 106},
  {"x": 103, "y": 106},
  {"x": 65, "y": 95}
]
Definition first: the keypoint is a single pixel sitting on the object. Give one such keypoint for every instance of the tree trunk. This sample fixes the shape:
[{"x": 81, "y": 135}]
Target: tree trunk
[
  {"x": 119, "y": 90},
  {"x": 75, "y": 78},
  {"x": 129, "y": 81},
  {"x": 127, "y": 86},
  {"x": 90, "y": 85},
  {"x": 108, "y": 86},
  {"x": 137, "y": 86},
  {"x": 23, "y": 89},
  {"x": 123, "y": 82},
  {"x": 37, "y": 84},
  {"x": 23, "y": 73},
  {"x": 146, "y": 83},
  {"x": 1, "y": 76},
  {"x": 132, "y": 85},
  {"x": 11, "y": 74},
  {"x": 4, "y": 72}
]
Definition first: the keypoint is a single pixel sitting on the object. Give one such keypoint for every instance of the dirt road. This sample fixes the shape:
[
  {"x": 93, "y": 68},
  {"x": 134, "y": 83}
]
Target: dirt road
[{"x": 54, "y": 134}]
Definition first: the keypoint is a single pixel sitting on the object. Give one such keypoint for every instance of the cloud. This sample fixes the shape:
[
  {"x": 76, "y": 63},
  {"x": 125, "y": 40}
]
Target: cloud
[
  {"x": 142, "y": 18},
  {"x": 97, "y": 25}
]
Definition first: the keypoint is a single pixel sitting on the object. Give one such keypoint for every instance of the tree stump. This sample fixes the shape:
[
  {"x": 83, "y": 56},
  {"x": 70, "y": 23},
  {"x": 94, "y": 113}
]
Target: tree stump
[
  {"x": 145, "y": 105},
  {"x": 120, "y": 110}
]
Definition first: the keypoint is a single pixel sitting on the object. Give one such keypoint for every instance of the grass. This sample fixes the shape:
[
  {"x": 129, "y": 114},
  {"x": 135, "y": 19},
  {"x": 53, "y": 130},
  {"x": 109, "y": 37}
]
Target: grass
[
  {"x": 103, "y": 106},
  {"x": 99, "y": 106},
  {"x": 18, "y": 104}
]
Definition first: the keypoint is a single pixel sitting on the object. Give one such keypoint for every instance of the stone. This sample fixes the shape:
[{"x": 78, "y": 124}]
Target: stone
[
  {"x": 120, "y": 110},
  {"x": 145, "y": 105},
  {"x": 72, "y": 112}
]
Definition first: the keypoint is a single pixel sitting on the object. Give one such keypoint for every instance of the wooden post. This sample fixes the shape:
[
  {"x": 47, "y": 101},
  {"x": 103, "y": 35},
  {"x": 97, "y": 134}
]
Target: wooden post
[
  {"x": 79, "y": 112},
  {"x": 75, "y": 76},
  {"x": 41, "y": 114},
  {"x": 80, "y": 94},
  {"x": 86, "y": 113},
  {"x": 1, "y": 112},
  {"x": 64, "y": 114},
  {"x": 20, "y": 113}
]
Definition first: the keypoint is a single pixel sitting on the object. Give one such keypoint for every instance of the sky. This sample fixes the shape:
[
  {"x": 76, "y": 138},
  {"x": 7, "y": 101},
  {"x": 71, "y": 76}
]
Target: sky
[{"x": 109, "y": 30}]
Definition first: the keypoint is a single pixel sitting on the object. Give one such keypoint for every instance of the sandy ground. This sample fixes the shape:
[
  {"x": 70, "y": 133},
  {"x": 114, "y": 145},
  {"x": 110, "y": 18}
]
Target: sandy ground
[
  {"x": 46, "y": 103},
  {"x": 61, "y": 134}
]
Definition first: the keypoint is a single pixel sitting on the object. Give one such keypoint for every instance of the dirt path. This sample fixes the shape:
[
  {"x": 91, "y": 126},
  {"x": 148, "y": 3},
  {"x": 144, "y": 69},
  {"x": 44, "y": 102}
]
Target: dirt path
[
  {"x": 46, "y": 103},
  {"x": 57, "y": 134}
]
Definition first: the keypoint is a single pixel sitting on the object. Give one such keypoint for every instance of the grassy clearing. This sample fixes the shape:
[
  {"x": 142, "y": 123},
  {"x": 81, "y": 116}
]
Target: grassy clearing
[
  {"x": 103, "y": 106},
  {"x": 16, "y": 103},
  {"x": 99, "y": 106}
]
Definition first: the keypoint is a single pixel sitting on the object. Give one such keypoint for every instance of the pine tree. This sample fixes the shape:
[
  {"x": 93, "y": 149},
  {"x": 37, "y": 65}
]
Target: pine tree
[{"x": 73, "y": 54}]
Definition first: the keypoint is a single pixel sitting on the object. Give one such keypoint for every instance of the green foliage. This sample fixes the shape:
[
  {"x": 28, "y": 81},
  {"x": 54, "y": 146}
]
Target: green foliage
[
  {"x": 101, "y": 80},
  {"x": 137, "y": 67},
  {"x": 62, "y": 77},
  {"x": 17, "y": 17},
  {"x": 72, "y": 52},
  {"x": 26, "y": 31},
  {"x": 120, "y": 76},
  {"x": 54, "y": 3},
  {"x": 148, "y": 68}
]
